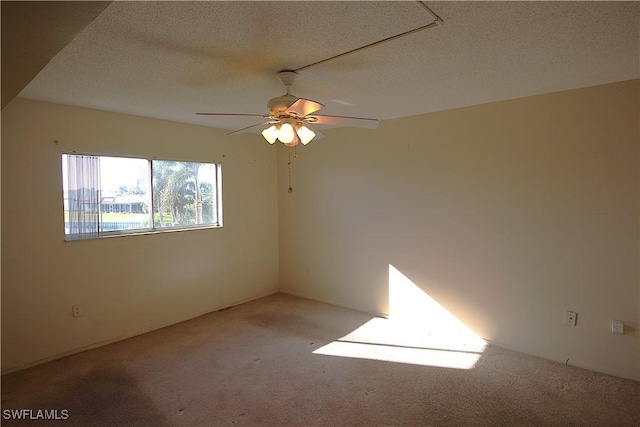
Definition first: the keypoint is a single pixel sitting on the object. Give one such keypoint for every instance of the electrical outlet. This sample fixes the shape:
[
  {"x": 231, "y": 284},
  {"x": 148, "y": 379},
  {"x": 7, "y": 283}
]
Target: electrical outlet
[
  {"x": 570, "y": 318},
  {"x": 76, "y": 311},
  {"x": 617, "y": 327}
]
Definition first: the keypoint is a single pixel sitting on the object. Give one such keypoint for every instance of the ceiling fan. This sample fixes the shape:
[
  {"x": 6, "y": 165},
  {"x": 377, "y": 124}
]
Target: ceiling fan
[{"x": 291, "y": 120}]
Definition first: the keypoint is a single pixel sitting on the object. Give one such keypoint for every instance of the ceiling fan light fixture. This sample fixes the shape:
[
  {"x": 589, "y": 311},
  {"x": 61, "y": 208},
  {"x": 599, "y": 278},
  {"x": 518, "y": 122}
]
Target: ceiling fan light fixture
[
  {"x": 305, "y": 134},
  {"x": 270, "y": 134},
  {"x": 287, "y": 134}
]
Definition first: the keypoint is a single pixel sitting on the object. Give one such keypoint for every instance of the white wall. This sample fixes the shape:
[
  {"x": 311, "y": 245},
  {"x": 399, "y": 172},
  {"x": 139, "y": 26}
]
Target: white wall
[
  {"x": 126, "y": 285},
  {"x": 507, "y": 214}
]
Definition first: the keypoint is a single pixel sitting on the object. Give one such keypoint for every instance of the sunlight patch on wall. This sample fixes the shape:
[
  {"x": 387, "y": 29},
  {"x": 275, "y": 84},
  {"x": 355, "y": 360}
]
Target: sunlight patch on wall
[{"x": 418, "y": 331}]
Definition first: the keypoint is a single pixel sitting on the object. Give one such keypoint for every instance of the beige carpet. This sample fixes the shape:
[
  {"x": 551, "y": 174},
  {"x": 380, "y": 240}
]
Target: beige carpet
[{"x": 254, "y": 364}]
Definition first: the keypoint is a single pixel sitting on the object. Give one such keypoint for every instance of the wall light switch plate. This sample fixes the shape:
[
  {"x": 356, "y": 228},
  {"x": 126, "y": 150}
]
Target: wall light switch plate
[
  {"x": 570, "y": 318},
  {"x": 617, "y": 327}
]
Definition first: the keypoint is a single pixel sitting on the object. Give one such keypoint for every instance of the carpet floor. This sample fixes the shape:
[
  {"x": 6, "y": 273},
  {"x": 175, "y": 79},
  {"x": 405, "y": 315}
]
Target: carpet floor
[{"x": 283, "y": 360}]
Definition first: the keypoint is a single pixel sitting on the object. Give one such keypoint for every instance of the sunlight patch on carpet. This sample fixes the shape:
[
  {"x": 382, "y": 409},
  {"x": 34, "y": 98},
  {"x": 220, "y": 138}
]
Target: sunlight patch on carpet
[{"x": 418, "y": 331}]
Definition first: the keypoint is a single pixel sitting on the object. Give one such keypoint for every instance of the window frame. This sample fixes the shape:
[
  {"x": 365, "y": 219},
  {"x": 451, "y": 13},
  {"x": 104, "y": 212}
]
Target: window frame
[{"x": 217, "y": 208}]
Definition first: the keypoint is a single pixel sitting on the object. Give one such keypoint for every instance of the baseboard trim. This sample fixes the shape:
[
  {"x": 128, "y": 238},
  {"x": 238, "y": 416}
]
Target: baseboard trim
[
  {"x": 570, "y": 362},
  {"x": 108, "y": 341},
  {"x": 576, "y": 363},
  {"x": 337, "y": 304}
]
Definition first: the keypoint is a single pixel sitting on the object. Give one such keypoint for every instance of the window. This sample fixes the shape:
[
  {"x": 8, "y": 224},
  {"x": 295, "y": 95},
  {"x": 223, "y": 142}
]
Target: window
[{"x": 105, "y": 196}]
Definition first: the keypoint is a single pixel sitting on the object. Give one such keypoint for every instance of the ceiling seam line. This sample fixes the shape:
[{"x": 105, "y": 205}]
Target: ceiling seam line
[
  {"x": 437, "y": 21},
  {"x": 430, "y": 12},
  {"x": 379, "y": 42}
]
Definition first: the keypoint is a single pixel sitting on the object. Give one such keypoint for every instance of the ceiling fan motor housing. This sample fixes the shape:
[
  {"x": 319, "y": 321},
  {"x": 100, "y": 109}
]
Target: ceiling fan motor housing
[{"x": 279, "y": 105}]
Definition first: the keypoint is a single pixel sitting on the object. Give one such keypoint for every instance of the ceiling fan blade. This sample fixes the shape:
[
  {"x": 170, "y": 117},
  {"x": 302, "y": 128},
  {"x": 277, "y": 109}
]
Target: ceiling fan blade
[
  {"x": 231, "y": 114},
  {"x": 302, "y": 107},
  {"x": 359, "y": 122},
  {"x": 235, "y": 132}
]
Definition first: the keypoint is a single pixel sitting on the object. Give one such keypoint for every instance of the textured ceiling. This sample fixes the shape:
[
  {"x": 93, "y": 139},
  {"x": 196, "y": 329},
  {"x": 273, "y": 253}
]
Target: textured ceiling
[
  {"x": 33, "y": 33},
  {"x": 170, "y": 60}
]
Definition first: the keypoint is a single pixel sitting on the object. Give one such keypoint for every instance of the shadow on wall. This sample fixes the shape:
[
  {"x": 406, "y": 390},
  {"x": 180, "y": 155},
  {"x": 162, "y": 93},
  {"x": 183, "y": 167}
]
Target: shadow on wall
[{"x": 418, "y": 331}]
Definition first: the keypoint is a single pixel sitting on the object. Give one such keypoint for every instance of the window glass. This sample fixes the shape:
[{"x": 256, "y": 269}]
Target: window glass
[
  {"x": 125, "y": 196},
  {"x": 183, "y": 193},
  {"x": 117, "y": 195}
]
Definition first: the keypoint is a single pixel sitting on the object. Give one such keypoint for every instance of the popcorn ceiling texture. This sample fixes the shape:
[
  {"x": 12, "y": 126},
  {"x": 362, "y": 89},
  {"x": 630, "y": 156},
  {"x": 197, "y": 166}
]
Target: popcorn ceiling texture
[
  {"x": 33, "y": 33},
  {"x": 169, "y": 60}
]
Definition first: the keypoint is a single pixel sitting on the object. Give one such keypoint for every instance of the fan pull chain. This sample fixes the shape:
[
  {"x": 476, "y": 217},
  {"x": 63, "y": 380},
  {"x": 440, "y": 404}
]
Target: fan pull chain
[{"x": 290, "y": 165}]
